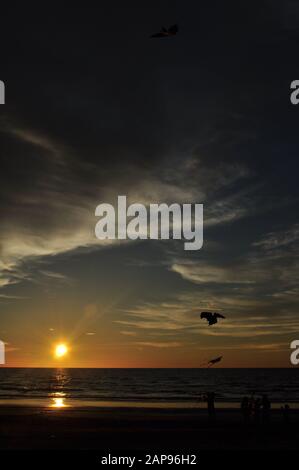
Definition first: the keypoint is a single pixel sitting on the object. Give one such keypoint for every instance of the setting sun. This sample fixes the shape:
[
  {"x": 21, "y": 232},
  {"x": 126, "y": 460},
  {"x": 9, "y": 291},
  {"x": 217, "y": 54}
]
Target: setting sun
[{"x": 61, "y": 350}]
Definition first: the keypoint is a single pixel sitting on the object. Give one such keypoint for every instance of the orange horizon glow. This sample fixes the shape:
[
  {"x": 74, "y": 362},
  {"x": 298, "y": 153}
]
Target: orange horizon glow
[{"x": 98, "y": 352}]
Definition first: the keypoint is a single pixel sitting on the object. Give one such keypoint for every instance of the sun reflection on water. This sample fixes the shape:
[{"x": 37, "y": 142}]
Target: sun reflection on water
[
  {"x": 58, "y": 402},
  {"x": 58, "y": 384}
]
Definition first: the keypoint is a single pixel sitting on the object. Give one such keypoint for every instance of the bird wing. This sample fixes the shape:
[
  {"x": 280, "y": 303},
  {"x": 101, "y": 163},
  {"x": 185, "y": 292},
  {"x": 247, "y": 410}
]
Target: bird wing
[
  {"x": 173, "y": 29},
  {"x": 206, "y": 315},
  {"x": 214, "y": 361},
  {"x": 218, "y": 315}
]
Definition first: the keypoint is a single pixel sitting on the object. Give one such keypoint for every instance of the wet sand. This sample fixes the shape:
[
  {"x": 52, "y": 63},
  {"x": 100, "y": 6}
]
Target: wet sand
[{"x": 142, "y": 429}]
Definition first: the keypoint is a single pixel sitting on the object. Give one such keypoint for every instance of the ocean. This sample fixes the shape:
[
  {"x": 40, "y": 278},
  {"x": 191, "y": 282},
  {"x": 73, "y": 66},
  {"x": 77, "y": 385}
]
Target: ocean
[{"x": 184, "y": 387}]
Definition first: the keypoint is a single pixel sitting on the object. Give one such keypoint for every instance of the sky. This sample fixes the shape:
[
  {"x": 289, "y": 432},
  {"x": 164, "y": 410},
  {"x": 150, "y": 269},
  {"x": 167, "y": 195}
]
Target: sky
[{"x": 96, "y": 109}]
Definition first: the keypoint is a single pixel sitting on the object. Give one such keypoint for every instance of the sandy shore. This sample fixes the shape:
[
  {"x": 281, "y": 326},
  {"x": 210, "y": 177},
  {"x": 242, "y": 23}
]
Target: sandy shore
[{"x": 141, "y": 429}]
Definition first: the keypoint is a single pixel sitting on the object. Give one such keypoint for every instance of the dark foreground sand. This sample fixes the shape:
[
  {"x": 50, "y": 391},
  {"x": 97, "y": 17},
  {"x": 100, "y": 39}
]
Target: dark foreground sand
[{"x": 142, "y": 429}]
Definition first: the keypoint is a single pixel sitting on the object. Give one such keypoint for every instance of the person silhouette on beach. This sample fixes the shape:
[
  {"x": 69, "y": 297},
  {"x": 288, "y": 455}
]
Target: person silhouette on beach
[
  {"x": 245, "y": 409},
  {"x": 257, "y": 410},
  {"x": 286, "y": 413},
  {"x": 251, "y": 402},
  {"x": 266, "y": 407},
  {"x": 210, "y": 398}
]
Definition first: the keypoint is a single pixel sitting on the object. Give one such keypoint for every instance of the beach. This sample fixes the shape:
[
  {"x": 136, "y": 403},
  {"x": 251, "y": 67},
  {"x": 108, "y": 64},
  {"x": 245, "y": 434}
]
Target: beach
[
  {"x": 142, "y": 429},
  {"x": 145, "y": 410}
]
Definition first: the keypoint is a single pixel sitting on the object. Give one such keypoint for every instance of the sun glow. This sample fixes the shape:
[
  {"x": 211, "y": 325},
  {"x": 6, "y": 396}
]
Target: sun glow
[
  {"x": 61, "y": 350},
  {"x": 58, "y": 403}
]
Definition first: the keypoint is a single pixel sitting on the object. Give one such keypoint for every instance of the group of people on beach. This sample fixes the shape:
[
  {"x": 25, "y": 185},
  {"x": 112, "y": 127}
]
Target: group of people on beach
[{"x": 254, "y": 409}]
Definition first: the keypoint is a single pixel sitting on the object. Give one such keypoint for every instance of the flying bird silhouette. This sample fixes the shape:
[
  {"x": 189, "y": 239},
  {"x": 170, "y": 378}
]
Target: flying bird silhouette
[
  {"x": 212, "y": 362},
  {"x": 211, "y": 318},
  {"x": 164, "y": 32}
]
